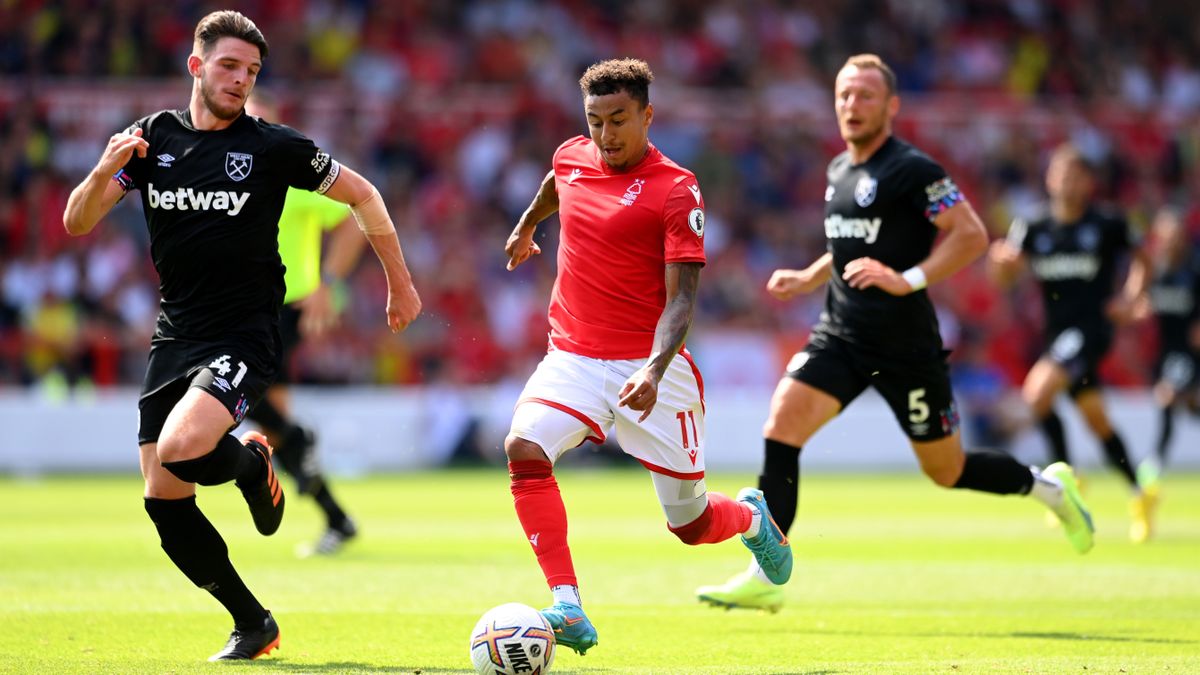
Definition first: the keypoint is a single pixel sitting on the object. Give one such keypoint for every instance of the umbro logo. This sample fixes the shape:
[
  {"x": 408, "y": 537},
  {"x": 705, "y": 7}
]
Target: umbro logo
[{"x": 165, "y": 159}]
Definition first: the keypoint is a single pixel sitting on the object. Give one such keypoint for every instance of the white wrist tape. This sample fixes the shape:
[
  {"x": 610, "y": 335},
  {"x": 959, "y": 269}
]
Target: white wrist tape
[
  {"x": 372, "y": 216},
  {"x": 915, "y": 277}
]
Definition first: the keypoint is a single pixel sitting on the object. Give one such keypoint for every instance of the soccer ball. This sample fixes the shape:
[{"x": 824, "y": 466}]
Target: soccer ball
[{"x": 512, "y": 639}]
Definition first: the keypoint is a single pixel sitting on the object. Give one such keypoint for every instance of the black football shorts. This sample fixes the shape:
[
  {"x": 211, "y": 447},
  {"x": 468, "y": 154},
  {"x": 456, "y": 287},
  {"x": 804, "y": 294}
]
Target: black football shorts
[
  {"x": 1079, "y": 351},
  {"x": 919, "y": 393},
  {"x": 1178, "y": 369},
  {"x": 232, "y": 371}
]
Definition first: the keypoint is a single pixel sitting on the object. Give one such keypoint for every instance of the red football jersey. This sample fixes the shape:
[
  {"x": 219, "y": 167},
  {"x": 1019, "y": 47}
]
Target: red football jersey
[{"x": 619, "y": 230}]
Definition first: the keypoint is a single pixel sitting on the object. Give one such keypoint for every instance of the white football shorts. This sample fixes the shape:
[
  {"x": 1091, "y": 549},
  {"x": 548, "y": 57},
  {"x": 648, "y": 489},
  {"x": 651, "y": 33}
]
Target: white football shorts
[{"x": 570, "y": 399}]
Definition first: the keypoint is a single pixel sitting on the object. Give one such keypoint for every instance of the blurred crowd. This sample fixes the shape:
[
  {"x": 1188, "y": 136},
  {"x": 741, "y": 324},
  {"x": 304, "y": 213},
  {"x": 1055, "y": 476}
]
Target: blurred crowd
[{"x": 454, "y": 109}]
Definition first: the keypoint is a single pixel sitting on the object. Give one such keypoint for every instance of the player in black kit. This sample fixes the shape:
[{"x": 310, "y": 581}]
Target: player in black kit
[
  {"x": 1173, "y": 298},
  {"x": 213, "y": 182},
  {"x": 1074, "y": 250},
  {"x": 885, "y": 203}
]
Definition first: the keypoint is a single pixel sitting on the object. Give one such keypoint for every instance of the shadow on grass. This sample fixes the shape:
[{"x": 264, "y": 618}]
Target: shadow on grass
[
  {"x": 1023, "y": 635},
  {"x": 1091, "y": 638},
  {"x": 354, "y": 667}
]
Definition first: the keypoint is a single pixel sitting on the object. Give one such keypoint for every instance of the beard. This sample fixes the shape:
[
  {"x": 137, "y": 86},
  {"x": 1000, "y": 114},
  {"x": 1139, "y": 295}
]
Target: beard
[{"x": 221, "y": 112}]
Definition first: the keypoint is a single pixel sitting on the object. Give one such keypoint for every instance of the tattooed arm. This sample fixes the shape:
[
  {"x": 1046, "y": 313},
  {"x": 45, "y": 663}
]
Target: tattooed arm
[{"x": 640, "y": 391}]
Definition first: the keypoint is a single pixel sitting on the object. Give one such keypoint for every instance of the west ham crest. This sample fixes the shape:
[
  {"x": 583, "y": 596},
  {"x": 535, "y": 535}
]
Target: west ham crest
[
  {"x": 864, "y": 192},
  {"x": 237, "y": 165}
]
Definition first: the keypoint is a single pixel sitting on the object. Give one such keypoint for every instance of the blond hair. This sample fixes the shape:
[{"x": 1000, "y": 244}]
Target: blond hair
[{"x": 864, "y": 61}]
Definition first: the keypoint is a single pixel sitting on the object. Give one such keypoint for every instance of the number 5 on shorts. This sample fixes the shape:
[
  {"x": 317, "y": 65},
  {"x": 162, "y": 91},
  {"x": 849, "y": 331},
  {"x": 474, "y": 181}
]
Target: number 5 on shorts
[{"x": 918, "y": 409}]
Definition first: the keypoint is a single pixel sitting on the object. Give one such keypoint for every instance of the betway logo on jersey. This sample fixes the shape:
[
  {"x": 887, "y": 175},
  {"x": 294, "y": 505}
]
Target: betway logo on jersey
[
  {"x": 1067, "y": 266},
  {"x": 838, "y": 227},
  {"x": 187, "y": 199}
]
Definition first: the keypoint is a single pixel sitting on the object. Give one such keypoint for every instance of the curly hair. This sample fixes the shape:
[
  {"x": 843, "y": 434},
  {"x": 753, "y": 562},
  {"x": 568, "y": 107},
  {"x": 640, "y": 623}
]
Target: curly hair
[{"x": 632, "y": 76}]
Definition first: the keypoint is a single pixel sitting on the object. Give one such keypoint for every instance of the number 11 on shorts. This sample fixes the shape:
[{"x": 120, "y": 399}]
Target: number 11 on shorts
[{"x": 684, "y": 417}]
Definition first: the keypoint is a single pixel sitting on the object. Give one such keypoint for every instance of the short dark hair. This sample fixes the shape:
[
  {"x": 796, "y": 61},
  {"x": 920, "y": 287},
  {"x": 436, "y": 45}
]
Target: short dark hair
[
  {"x": 1071, "y": 153},
  {"x": 632, "y": 76},
  {"x": 229, "y": 23},
  {"x": 863, "y": 61}
]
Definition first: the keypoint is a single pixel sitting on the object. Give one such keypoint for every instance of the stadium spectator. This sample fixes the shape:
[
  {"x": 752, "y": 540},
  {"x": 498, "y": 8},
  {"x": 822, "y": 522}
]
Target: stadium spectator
[{"x": 1041, "y": 73}]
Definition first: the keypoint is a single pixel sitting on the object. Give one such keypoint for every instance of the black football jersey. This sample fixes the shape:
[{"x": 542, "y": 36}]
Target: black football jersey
[
  {"x": 884, "y": 209},
  {"x": 1076, "y": 265},
  {"x": 1174, "y": 293},
  {"x": 212, "y": 201}
]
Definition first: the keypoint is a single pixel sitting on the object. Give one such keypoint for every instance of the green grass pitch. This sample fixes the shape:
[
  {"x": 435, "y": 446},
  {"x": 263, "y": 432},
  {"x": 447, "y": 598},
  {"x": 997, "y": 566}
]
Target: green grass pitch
[{"x": 893, "y": 575}]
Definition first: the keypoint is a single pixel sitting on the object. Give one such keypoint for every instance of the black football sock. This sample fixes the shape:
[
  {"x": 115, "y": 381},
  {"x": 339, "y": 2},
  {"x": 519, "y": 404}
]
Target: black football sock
[
  {"x": 293, "y": 452},
  {"x": 197, "y": 549},
  {"x": 230, "y": 460},
  {"x": 995, "y": 472},
  {"x": 780, "y": 481},
  {"x": 267, "y": 416},
  {"x": 334, "y": 515},
  {"x": 1114, "y": 450},
  {"x": 1052, "y": 427},
  {"x": 1165, "y": 431}
]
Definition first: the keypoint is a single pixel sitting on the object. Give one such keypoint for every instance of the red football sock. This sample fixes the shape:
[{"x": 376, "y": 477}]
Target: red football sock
[
  {"x": 722, "y": 519},
  {"x": 544, "y": 518}
]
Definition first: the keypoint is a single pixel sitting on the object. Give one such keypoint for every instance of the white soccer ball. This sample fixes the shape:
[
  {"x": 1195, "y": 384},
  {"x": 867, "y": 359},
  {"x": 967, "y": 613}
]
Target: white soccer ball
[{"x": 512, "y": 639}]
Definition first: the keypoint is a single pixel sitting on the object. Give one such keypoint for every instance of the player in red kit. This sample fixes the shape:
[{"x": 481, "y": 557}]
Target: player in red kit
[{"x": 630, "y": 251}]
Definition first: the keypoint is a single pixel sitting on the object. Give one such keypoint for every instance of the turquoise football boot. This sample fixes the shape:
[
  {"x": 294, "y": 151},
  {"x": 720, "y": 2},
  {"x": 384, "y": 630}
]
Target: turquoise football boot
[
  {"x": 770, "y": 546},
  {"x": 571, "y": 626}
]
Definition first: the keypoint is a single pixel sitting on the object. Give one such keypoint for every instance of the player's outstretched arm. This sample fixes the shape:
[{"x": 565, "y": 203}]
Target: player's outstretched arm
[
  {"x": 787, "y": 284},
  {"x": 98, "y": 193},
  {"x": 640, "y": 391},
  {"x": 966, "y": 239},
  {"x": 317, "y": 311},
  {"x": 1005, "y": 262},
  {"x": 520, "y": 245},
  {"x": 367, "y": 206},
  {"x": 1124, "y": 308}
]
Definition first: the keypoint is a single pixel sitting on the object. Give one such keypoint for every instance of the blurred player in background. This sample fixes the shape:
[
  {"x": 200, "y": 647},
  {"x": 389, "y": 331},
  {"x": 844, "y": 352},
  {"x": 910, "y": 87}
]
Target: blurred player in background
[
  {"x": 309, "y": 312},
  {"x": 885, "y": 204},
  {"x": 1074, "y": 250},
  {"x": 1173, "y": 297},
  {"x": 629, "y": 258},
  {"x": 213, "y": 182}
]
